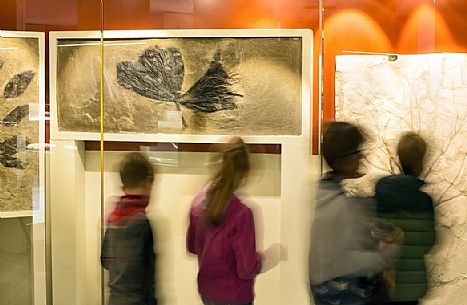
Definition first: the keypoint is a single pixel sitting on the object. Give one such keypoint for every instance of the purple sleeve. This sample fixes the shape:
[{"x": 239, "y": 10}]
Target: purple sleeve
[
  {"x": 191, "y": 236},
  {"x": 248, "y": 261}
]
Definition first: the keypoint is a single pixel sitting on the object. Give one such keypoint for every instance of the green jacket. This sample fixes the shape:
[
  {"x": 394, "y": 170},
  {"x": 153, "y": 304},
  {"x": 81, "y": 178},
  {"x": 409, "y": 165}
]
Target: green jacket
[{"x": 400, "y": 201}]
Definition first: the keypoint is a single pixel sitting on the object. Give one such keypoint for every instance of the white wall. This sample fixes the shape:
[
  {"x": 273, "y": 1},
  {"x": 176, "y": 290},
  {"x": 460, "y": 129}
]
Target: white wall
[{"x": 68, "y": 241}]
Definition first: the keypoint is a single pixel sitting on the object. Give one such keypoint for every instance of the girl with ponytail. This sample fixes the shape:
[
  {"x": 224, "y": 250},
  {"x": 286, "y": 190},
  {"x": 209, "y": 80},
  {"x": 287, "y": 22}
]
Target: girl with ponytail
[
  {"x": 233, "y": 170},
  {"x": 222, "y": 234}
]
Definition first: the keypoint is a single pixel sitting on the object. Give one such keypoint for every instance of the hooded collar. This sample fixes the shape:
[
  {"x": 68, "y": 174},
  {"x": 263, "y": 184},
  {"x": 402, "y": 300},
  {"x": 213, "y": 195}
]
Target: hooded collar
[
  {"x": 405, "y": 182},
  {"x": 128, "y": 206}
]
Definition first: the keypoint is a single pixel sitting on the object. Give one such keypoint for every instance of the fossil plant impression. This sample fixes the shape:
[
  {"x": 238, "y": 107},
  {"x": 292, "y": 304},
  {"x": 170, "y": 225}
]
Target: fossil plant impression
[{"x": 159, "y": 73}]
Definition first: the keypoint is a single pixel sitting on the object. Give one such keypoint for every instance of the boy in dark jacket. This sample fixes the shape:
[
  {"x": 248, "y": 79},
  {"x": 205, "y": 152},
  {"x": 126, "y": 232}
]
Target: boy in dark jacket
[
  {"x": 401, "y": 202},
  {"x": 127, "y": 249}
]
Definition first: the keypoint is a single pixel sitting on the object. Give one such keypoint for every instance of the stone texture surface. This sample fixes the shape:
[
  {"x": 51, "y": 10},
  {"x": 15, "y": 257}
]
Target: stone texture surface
[
  {"x": 266, "y": 72},
  {"x": 426, "y": 94},
  {"x": 19, "y": 167}
]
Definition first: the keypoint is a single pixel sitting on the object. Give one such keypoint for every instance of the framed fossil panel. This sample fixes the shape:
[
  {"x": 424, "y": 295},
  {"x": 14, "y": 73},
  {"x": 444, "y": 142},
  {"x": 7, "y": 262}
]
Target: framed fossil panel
[
  {"x": 182, "y": 85},
  {"x": 22, "y": 95}
]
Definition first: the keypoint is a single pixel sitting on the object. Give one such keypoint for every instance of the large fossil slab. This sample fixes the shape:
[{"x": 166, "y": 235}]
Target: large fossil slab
[
  {"x": 19, "y": 87},
  {"x": 250, "y": 86}
]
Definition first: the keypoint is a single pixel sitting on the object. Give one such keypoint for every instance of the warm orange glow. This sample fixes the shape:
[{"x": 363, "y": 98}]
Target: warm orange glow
[
  {"x": 352, "y": 29},
  {"x": 426, "y": 31},
  {"x": 403, "y": 26},
  {"x": 410, "y": 28},
  {"x": 348, "y": 30},
  {"x": 265, "y": 24}
]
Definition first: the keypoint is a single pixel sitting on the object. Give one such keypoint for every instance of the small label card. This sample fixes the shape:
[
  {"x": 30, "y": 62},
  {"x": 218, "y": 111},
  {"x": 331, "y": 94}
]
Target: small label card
[
  {"x": 172, "y": 120},
  {"x": 173, "y": 116}
]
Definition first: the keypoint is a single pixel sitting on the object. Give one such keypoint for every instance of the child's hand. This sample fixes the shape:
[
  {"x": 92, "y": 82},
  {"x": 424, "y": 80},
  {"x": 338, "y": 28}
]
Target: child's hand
[
  {"x": 387, "y": 232},
  {"x": 272, "y": 256},
  {"x": 388, "y": 278},
  {"x": 399, "y": 236},
  {"x": 393, "y": 246}
]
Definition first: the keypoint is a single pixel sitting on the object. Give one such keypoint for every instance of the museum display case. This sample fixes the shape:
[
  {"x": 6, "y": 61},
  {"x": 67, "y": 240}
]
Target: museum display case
[
  {"x": 169, "y": 93},
  {"x": 84, "y": 81}
]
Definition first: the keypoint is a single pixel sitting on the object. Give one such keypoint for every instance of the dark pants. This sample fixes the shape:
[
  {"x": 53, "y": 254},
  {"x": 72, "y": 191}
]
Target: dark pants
[
  {"x": 206, "y": 302},
  {"x": 356, "y": 291}
]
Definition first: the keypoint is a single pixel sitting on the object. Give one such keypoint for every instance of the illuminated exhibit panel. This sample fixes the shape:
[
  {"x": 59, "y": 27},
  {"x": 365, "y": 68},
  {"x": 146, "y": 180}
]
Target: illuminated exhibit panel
[
  {"x": 422, "y": 93},
  {"x": 21, "y": 100},
  {"x": 248, "y": 82},
  {"x": 22, "y": 175}
]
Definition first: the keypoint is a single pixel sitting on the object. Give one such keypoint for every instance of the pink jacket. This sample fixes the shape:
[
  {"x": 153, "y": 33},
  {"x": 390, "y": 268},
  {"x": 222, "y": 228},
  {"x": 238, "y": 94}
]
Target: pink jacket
[{"x": 227, "y": 257}]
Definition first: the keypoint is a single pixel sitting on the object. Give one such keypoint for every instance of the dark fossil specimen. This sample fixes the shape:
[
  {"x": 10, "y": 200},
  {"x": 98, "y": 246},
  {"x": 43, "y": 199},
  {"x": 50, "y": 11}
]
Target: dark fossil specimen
[
  {"x": 212, "y": 92},
  {"x": 18, "y": 84},
  {"x": 8, "y": 149},
  {"x": 159, "y": 74},
  {"x": 15, "y": 116}
]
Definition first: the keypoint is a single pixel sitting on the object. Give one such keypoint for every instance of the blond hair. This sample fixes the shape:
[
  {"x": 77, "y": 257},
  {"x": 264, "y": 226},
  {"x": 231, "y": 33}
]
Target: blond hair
[
  {"x": 234, "y": 167},
  {"x": 411, "y": 151}
]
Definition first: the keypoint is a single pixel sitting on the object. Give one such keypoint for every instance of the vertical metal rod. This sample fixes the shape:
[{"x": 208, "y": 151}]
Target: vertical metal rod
[
  {"x": 321, "y": 83},
  {"x": 101, "y": 102}
]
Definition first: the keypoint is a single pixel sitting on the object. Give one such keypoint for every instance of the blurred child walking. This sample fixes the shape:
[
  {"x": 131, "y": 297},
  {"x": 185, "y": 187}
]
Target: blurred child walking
[
  {"x": 401, "y": 203},
  {"x": 344, "y": 257},
  {"x": 222, "y": 235},
  {"x": 127, "y": 249}
]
